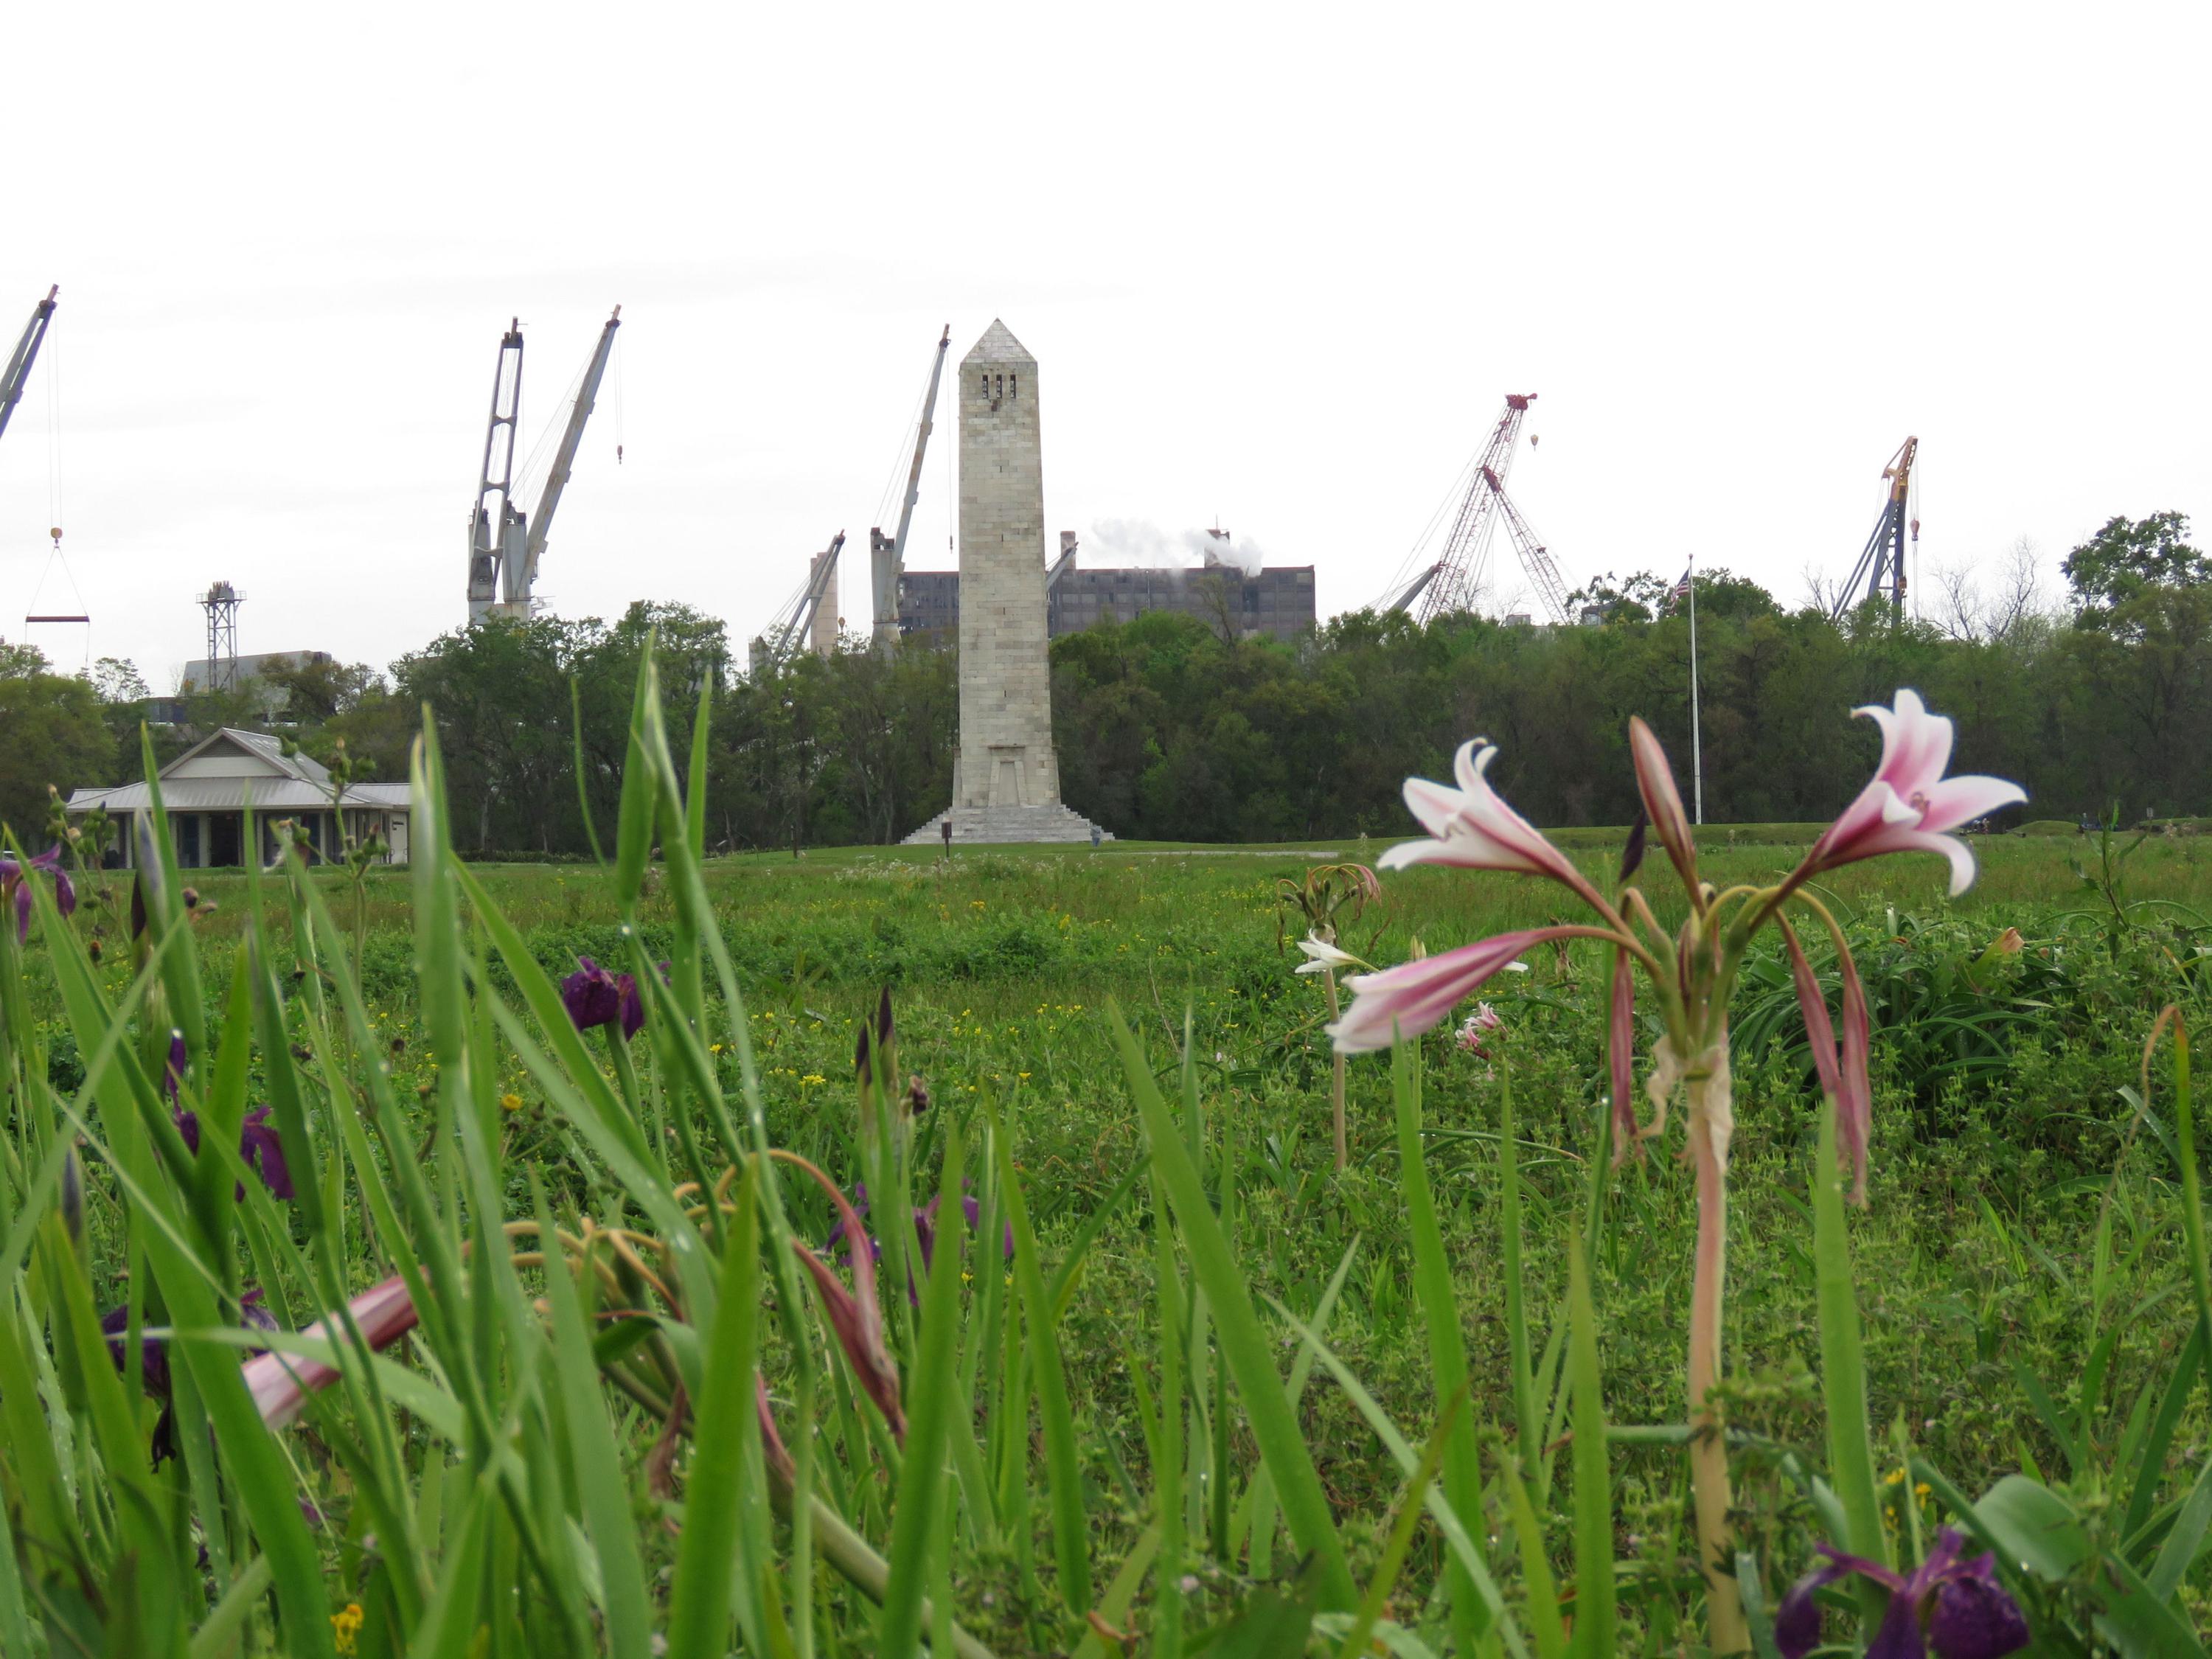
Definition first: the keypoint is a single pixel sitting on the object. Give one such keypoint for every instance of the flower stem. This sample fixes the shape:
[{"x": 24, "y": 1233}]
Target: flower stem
[
  {"x": 1711, "y": 1119},
  {"x": 1343, "y": 1154}
]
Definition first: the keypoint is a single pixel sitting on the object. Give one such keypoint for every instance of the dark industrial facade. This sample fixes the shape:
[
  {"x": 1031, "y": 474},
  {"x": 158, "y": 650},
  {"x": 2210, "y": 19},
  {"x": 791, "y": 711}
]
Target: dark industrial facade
[{"x": 1275, "y": 602}]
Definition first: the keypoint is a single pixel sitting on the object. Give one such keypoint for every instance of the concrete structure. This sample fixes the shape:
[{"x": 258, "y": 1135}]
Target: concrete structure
[
  {"x": 821, "y": 632},
  {"x": 1276, "y": 602},
  {"x": 226, "y": 795},
  {"x": 1006, "y": 784},
  {"x": 249, "y": 676}
]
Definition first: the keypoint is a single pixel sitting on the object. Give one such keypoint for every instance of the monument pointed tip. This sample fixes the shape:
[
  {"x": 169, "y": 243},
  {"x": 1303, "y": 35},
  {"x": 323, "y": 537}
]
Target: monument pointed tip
[{"x": 998, "y": 345}]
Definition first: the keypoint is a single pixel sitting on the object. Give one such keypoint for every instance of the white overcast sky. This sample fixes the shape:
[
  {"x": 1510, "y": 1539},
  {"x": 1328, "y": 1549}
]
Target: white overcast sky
[{"x": 1277, "y": 264}]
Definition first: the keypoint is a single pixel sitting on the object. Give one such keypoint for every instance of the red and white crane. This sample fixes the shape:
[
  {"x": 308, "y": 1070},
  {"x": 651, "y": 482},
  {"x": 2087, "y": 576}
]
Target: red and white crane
[{"x": 1454, "y": 582}]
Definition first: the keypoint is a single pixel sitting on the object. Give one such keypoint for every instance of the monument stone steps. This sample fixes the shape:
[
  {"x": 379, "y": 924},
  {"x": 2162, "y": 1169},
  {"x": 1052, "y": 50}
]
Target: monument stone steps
[{"x": 1006, "y": 826}]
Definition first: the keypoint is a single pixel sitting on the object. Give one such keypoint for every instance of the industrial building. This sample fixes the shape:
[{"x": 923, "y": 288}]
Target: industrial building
[{"x": 1275, "y": 602}]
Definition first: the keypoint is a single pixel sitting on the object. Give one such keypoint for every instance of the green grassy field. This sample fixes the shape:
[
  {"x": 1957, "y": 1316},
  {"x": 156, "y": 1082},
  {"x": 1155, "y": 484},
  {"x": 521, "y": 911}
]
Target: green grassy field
[{"x": 2023, "y": 1215}]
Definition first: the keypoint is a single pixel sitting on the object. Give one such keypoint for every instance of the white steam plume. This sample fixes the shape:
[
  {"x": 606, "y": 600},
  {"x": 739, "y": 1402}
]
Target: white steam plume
[{"x": 1138, "y": 542}]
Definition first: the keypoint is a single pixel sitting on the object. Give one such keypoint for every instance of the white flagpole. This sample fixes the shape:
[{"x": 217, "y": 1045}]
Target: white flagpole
[{"x": 1697, "y": 753}]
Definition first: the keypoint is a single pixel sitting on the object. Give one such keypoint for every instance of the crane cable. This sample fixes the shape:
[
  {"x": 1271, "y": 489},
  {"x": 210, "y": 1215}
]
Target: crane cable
[
  {"x": 54, "y": 505},
  {"x": 1912, "y": 519},
  {"x": 901, "y": 457},
  {"x": 619, "y": 419}
]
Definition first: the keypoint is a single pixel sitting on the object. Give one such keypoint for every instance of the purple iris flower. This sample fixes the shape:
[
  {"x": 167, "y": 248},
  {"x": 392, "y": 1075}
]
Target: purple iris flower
[
  {"x": 154, "y": 1360},
  {"x": 594, "y": 996},
  {"x": 173, "y": 1074},
  {"x": 1952, "y": 1605},
  {"x": 257, "y": 1145},
  {"x": 925, "y": 1228},
  {"x": 12, "y": 879}
]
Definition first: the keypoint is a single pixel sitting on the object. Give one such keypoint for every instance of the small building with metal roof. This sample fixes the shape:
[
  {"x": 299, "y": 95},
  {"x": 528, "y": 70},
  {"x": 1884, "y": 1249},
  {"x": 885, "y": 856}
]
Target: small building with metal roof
[{"x": 228, "y": 792}]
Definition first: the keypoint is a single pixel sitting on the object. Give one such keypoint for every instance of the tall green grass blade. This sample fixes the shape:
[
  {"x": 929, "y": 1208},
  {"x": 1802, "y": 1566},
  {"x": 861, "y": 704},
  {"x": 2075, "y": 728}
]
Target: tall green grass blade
[
  {"x": 1392, "y": 1562},
  {"x": 1457, "y": 1538},
  {"x": 1244, "y": 1346},
  {"x": 603, "y": 1494},
  {"x": 930, "y": 1392},
  {"x": 2178, "y": 1553},
  {"x": 1516, "y": 1311},
  {"x": 218, "y": 1634},
  {"x": 1063, "y": 1467},
  {"x": 724, "y": 1459},
  {"x": 1843, "y": 1356},
  {"x": 1447, "y": 1339},
  {"x": 1070, "y": 1271},
  {"x": 2192, "y": 1196},
  {"x": 2149, "y": 1471},
  {"x": 1596, "y": 1625},
  {"x": 576, "y": 761},
  {"x": 1545, "y": 1628},
  {"x": 1166, "y": 1444}
]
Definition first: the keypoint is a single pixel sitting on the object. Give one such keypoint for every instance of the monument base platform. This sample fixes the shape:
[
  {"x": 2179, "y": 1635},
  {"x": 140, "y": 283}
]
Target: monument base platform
[{"x": 992, "y": 826}]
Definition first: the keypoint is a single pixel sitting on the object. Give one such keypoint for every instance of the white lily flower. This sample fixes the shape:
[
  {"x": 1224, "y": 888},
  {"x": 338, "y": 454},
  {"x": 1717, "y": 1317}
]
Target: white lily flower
[{"x": 1324, "y": 955}]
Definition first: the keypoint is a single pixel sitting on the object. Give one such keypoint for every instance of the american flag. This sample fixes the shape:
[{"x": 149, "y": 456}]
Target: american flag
[{"x": 1679, "y": 591}]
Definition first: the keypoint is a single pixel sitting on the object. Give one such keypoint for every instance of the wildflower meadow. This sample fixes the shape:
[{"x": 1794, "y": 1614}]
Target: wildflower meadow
[{"x": 1659, "y": 1241}]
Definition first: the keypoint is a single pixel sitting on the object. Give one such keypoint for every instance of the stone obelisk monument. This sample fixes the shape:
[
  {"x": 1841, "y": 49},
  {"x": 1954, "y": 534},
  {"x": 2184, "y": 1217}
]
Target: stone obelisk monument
[{"x": 1005, "y": 784}]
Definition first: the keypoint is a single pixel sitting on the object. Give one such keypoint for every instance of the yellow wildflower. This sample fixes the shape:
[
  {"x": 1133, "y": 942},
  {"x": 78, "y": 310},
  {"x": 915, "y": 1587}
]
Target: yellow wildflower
[
  {"x": 345, "y": 1625},
  {"x": 511, "y": 1103}
]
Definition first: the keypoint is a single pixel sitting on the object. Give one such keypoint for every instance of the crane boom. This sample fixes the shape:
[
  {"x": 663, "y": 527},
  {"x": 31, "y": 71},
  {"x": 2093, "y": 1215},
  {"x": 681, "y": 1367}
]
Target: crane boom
[
  {"x": 26, "y": 353},
  {"x": 494, "y": 541},
  {"x": 520, "y": 582},
  {"x": 1542, "y": 570},
  {"x": 1414, "y": 589},
  {"x": 795, "y": 621},
  {"x": 887, "y": 556},
  {"x": 504, "y": 551},
  {"x": 1466, "y": 547},
  {"x": 1883, "y": 558}
]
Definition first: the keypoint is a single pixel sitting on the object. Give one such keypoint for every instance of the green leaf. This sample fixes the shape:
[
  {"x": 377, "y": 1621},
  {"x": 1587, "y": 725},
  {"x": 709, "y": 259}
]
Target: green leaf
[
  {"x": 2033, "y": 1528},
  {"x": 1244, "y": 1345},
  {"x": 1071, "y": 1525},
  {"x": 727, "y": 1455},
  {"x": 1843, "y": 1356},
  {"x": 1440, "y": 1315},
  {"x": 1595, "y": 1619},
  {"x": 602, "y": 1493},
  {"x": 931, "y": 1389}
]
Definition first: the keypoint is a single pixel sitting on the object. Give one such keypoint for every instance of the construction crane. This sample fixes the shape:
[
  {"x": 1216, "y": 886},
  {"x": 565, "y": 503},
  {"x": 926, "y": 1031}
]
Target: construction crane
[
  {"x": 1452, "y": 582},
  {"x": 26, "y": 353},
  {"x": 1535, "y": 559},
  {"x": 1883, "y": 559},
  {"x": 887, "y": 554},
  {"x": 1414, "y": 589},
  {"x": 504, "y": 551},
  {"x": 793, "y": 626}
]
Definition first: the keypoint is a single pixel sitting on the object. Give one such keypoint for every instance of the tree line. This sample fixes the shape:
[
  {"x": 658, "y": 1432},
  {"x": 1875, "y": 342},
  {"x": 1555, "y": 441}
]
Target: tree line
[{"x": 1168, "y": 728}]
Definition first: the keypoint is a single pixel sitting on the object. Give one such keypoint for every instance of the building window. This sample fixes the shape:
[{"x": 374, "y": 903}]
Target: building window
[
  {"x": 984, "y": 389},
  {"x": 1013, "y": 386}
]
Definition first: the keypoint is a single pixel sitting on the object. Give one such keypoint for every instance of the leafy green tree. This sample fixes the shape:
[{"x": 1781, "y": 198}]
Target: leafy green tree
[
  {"x": 57, "y": 738},
  {"x": 2130, "y": 558}
]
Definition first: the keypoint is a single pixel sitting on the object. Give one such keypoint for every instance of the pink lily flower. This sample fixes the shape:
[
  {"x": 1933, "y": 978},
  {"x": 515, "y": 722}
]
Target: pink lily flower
[
  {"x": 1472, "y": 827},
  {"x": 1408, "y": 999},
  {"x": 279, "y": 1383},
  {"x": 1910, "y": 806}
]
